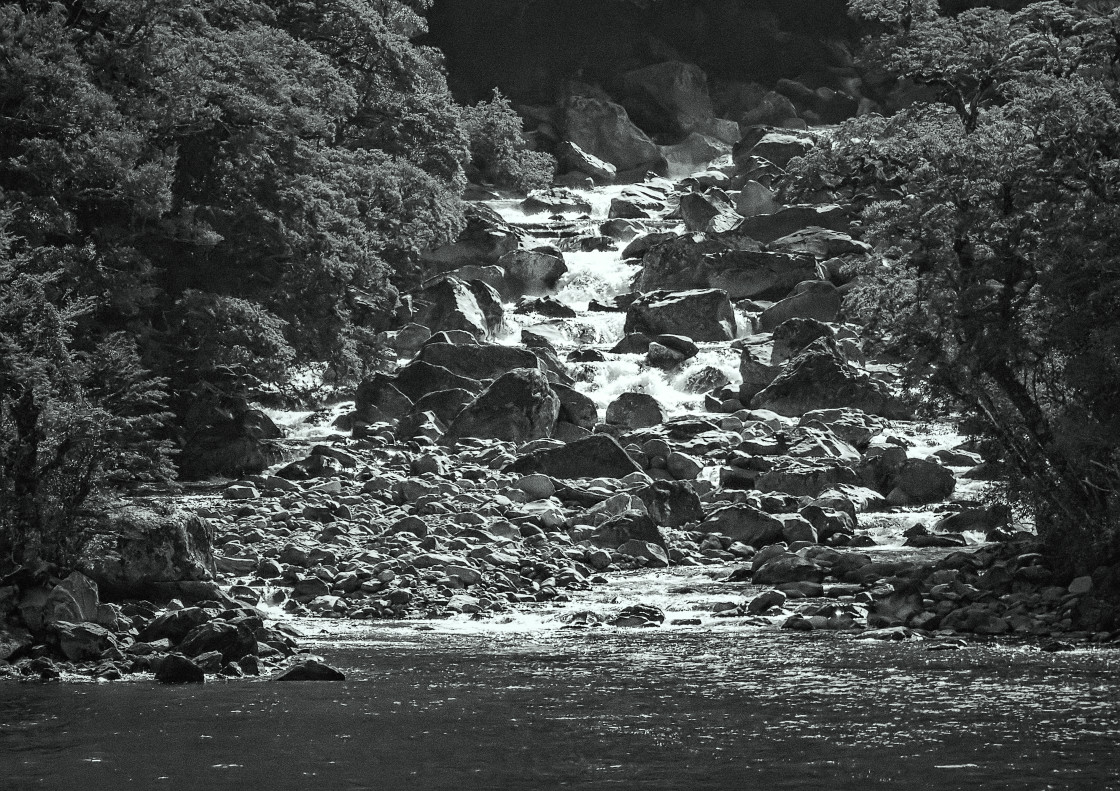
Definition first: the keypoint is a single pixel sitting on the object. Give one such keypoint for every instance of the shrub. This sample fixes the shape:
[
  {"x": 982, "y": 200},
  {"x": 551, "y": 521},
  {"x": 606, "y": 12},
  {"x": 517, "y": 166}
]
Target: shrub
[{"x": 498, "y": 149}]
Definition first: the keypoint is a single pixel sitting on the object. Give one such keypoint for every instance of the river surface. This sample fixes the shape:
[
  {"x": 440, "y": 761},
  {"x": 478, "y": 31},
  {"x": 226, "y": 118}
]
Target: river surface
[{"x": 523, "y": 703}]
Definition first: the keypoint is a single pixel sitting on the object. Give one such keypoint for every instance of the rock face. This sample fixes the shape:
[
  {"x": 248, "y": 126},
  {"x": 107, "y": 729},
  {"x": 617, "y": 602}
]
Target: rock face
[
  {"x": 669, "y": 97},
  {"x": 449, "y": 303},
  {"x": 592, "y": 457},
  {"x": 604, "y": 130},
  {"x": 701, "y": 314},
  {"x": 820, "y": 378},
  {"x": 144, "y": 552},
  {"x": 519, "y": 406}
]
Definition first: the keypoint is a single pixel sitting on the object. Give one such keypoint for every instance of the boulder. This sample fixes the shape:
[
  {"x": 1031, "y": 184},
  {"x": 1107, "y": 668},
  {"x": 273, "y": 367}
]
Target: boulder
[
  {"x": 223, "y": 435},
  {"x": 702, "y": 314},
  {"x": 604, "y": 130},
  {"x": 576, "y": 408},
  {"x": 672, "y": 503},
  {"x": 485, "y": 361},
  {"x": 597, "y": 456},
  {"x": 756, "y": 375},
  {"x": 419, "y": 378},
  {"x": 625, "y": 527},
  {"x": 449, "y": 303},
  {"x": 821, "y": 378},
  {"x": 654, "y": 555},
  {"x": 645, "y": 242},
  {"x": 814, "y": 299},
  {"x": 518, "y": 407},
  {"x": 80, "y": 642},
  {"x": 669, "y": 97},
  {"x": 753, "y": 274},
  {"x": 744, "y": 523},
  {"x": 710, "y": 211},
  {"x": 634, "y": 410},
  {"x": 572, "y": 157},
  {"x": 854, "y": 426},
  {"x": 177, "y": 669},
  {"x": 773, "y": 109},
  {"x": 485, "y": 238},
  {"x": 921, "y": 481},
  {"x": 777, "y": 147},
  {"x": 821, "y": 243},
  {"x": 532, "y": 272},
  {"x": 679, "y": 262},
  {"x": 767, "y": 228},
  {"x": 311, "y": 669},
  {"x": 173, "y": 625},
  {"x": 791, "y": 336},
  {"x": 378, "y": 398},
  {"x": 697, "y": 150},
  {"x": 556, "y": 200},
  {"x": 233, "y": 641},
  {"x": 445, "y": 404},
  {"x": 755, "y": 199},
  {"x": 806, "y": 478},
  {"x": 786, "y": 568},
  {"x": 638, "y": 202},
  {"x": 142, "y": 551}
]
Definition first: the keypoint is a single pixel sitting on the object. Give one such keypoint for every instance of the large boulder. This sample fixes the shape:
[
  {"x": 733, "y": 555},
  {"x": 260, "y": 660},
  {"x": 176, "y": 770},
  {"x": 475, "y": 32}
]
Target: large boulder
[
  {"x": 697, "y": 150},
  {"x": 744, "y": 523},
  {"x": 576, "y": 408},
  {"x": 754, "y": 199},
  {"x": 444, "y": 404},
  {"x": 450, "y": 303},
  {"x": 851, "y": 425},
  {"x": 518, "y": 407},
  {"x": 821, "y": 378},
  {"x": 814, "y": 299},
  {"x": 755, "y": 274},
  {"x": 639, "y": 202},
  {"x": 486, "y": 361},
  {"x": 821, "y": 243},
  {"x": 672, "y": 503},
  {"x": 225, "y": 436},
  {"x": 756, "y": 374},
  {"x": 419, "y": 378},
  {"x": 573, "y": 158},
  {"x": 532, "y": 272},
  {"x": 768, "y": 228},
  {"x": 604, "y": 130},
  {"x": 793, "y": 335},
  {"x": 785, "y": 568},
  {"x": 669, "y": 97},
  {"x": 597, "y": 456},
  {"x": 634, "y": 410},
  {"x": 700, "y": 314},
  {"x": 145, "y": 552},
  {"x": 680, "y": 262},
  {"x": 709, "y": 211},
  {"x": 485, "y": 239},
  {"x": 921, "y": 481},
  {"x": 777, "y": 147},
  {"x": 378, "y": 398},
  {"x": 627, "y": 526},
  {"x": 807, "y": 478}
]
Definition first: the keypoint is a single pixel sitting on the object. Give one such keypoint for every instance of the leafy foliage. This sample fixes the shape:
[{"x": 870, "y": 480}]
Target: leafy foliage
[
  {"x": 996, "y": 217},
  {"x": 498, "y": 149}
]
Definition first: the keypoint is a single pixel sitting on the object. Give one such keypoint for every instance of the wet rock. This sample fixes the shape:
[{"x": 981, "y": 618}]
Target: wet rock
[
  {"x": 709, "y": 211},
  {"x": 777, "y": 147},
  {"x": 592, "y": 457},
  {"x": 14, "y": 641},
  {"x": 638, "y": 202},
  {"x": 653, "y": 555},
  {"x": 484, "y": 361},
  {"x": 669, "y": 97},
  {"x": 573, "y": 158},
  {"x": 632, "y": 343},
  {"x": 311, "y": 669},
  {"x": 854, "y": 426},
  {"x": 378, "y": 398},
  {"x": 576, "y": 408},
  {"x": 518, "y": 407},
  {"x": 702, "y": 314},
  {"x": 634, "y": 410},
  {"x": 554, "y": 201},
  {"x": 821, "y": 243},
  {"x": 177, "y": 669},
  {"x": 545, "y": 306},
  {"x": 766, "y": 600},
  {"x": 814, "y": 299},
  {"x": 149, "y": 551},
  {"x": 604, "y": 130},
  {"x": 821, "y": 378},
  {"x": 697, "y": 150},
  {"x": 231, "y": 641},
  {"x": 639, "y": 615},
  {"x": 532, "y": 272}
]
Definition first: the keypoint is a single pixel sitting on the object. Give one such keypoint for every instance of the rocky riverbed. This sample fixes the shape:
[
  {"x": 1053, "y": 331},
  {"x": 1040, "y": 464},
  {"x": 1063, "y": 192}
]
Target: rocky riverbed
[{"x": 596, "y": 381}]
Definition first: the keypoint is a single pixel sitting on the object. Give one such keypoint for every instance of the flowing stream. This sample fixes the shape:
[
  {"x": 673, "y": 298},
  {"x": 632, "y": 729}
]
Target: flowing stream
[{"x": 529, "y": 702}]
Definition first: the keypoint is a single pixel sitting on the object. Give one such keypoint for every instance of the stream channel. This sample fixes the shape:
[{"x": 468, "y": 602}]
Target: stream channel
[{"x": 527, "y": 702}]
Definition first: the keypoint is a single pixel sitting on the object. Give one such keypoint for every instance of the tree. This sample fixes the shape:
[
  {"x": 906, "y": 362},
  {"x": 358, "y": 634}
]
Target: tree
[{"x": 997, "y": 277}]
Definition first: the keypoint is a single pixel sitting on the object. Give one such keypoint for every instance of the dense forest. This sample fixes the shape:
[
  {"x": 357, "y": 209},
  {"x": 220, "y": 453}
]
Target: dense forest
[{"x": 199, "y": 200}]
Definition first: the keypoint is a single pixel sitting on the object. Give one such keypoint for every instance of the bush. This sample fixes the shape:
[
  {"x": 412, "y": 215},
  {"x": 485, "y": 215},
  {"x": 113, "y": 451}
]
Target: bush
[{"x": 498, "y": 149}]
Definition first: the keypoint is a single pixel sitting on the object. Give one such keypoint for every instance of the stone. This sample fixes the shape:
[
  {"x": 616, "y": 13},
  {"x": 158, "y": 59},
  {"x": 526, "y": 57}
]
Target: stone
[
  {"x": 419, "y": 378},
  {"x": 820, "y": 377},
  {"x": 797, "y": 528},
  {"x": 604, "y": 130},
  {"x": 545, "y": 306},
  {"x": 311, "y": 669},
  {"x": 223, "y": 435},
  {"x": 756, "y": 375},
  {"x": 634, "y": 410},
  {"x": 1081, "y": 585},
  {"x": 710, "y": 211},
  {"x": 769, "y": 228},
  {"x": 80, "y": 642},
  {"x": 14, "y": 641},
  {"x": 821, "y": 243},
  {"x": 683, "y": 467},
  {"x": 672, "y": 503},
  {"x": 777, "y": 147},
  {"x": 378, "y": 398},
  {"x": 178, "y": 669},
  {"x": 755, "y": 199},
  {"x": 702, "y": 314},
  {"x": 556, "y": 200},
  {"x": 518, "y": 407},
  {"x": 532, "y": 272},
  {"x": 575, "y": 407},
  {"x": 572, "y": 157},
  {"x": 76, "y": 599},
  {"x": 697, "y": 150},
  {"x": 854, "y": 426},
  {"x": 818, "y": 300},
  {"x": 754, "y": 274},
  {"x": 484, "y": 361},
  {"x": 444, "y": 404},
  {"x": 147, "y": 552},
  {"x": 766, "y": 600},
  {"x": 485, "y": 238},
  {"x": 639, "y": 615},
  {"x": 232, "y": 641},
  {"x": 597, "y": 456},
  {"x": 536, "y": 486},
  {"x": 744, "y": 523},
  {"x": 670, "y": 97},
  {"x": 638, "y": 202},
  {"x": 654, "y": 555},
  {"x": 786, "y": 568},
  {"x": 772, "y": 108},
  {"x": 921, "y": 481},
  {"x": 446, "y": 302},
  {"x": 627, "y": 526}
]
